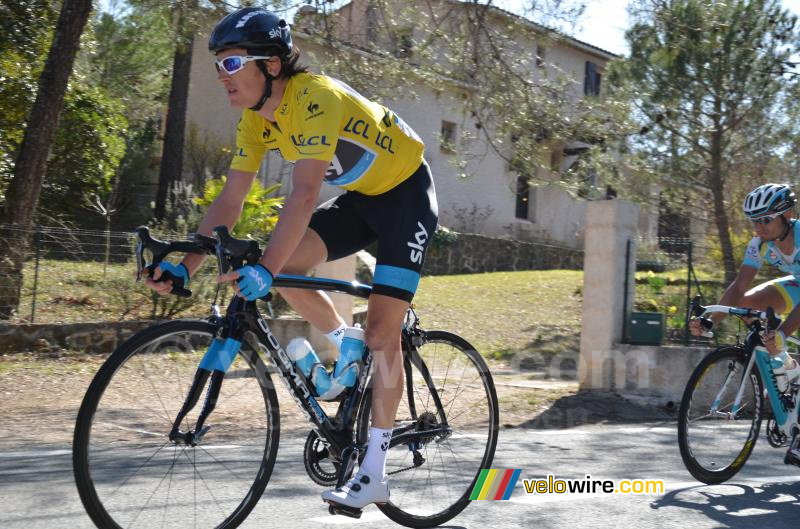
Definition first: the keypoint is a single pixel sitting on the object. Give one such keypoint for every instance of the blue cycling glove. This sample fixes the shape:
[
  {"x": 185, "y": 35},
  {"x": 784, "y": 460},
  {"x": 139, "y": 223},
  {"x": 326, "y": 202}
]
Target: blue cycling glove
[
  {"x": 254, "y": 282},
  {"x": 178, "y": 271}
]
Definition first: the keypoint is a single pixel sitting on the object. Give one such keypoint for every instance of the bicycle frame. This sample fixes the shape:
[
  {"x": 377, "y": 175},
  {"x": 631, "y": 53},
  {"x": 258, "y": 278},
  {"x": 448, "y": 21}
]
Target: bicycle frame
[
  {"x": 786, "y": 413},
  {"x": 243, "y": 316}
]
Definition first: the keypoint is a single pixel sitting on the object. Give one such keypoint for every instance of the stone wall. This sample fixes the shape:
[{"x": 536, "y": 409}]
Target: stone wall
[
  {"x": 102, "y": 337},
  {"x": 94, "y": 337},
  {"x": 470, "y": 254}
]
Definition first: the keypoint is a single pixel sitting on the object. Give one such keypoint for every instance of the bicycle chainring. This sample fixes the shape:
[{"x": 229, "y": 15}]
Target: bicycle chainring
[
  {"x": 775, "y": 437},
  {"x": 319, "y": 466}
]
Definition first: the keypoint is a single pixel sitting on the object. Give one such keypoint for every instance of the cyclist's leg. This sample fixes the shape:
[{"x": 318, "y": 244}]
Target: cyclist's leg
[
  {"x": 384, "y": 322},
  {"x": 334, "y": 232},
  {"x": 313, "y": 305},
  {"x": 404, "y": 219},
  {"x": 781, "y": 294}
]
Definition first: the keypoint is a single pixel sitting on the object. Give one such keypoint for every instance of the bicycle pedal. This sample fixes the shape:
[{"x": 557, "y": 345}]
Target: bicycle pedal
[{"x": 336, "y": 508}]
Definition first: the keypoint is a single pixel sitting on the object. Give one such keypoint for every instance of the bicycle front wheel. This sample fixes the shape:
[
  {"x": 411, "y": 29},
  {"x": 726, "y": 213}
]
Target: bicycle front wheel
[
  {"x": 714, "y": 438},
  {"x": 130, "y": 475},
  {"x": 451, "y": 390}
]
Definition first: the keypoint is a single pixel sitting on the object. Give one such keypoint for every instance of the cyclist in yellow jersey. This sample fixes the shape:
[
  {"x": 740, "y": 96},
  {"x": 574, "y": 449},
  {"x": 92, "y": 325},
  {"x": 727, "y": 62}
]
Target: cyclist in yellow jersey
[
  {"x": 337, "y": 136},
  {"x": 370, "y": 148}
]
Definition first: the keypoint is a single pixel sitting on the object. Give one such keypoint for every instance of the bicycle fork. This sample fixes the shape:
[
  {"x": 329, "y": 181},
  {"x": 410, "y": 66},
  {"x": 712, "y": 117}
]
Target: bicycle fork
[
  {"x": 215, "y": 364},
  {"x": 738, "y": 400}
]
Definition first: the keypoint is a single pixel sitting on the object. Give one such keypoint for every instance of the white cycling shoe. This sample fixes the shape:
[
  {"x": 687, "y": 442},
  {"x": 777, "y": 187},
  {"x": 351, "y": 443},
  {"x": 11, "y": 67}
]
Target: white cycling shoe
[{"x": 359, "y": 492}]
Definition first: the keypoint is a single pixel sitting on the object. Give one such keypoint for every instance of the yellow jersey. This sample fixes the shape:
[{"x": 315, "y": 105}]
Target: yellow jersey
[{"x": 370, "y": 149}]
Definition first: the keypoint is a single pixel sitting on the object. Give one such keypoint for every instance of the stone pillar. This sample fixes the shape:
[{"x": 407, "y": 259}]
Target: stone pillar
[
  {"x": 609, "y": 226},
  {"x": 344, "y": 269}
]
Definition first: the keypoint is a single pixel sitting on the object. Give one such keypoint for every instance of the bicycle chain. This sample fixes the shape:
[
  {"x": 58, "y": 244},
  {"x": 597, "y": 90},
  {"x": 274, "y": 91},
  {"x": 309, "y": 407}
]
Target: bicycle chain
[{"x": 412, "y": 467}]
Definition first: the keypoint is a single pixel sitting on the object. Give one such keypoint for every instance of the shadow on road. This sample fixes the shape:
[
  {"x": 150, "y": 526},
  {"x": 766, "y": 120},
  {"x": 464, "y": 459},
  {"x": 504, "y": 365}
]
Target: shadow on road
[
  {"x": 773, "y": 505},
  {"x": 596, "y": 407}
]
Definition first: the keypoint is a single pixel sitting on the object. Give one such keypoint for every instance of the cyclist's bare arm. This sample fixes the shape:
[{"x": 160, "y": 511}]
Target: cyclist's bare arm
[
  {"x": 225, "y": 209},
  {"x": 731, "y": 297},
  {"x": 307, "y": 178}
]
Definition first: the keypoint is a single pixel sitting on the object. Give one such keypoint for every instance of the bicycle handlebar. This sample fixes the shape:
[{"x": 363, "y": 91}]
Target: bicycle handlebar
[
  {"x": 768, "y": 316},
  {"x": 231, "y": 253}
]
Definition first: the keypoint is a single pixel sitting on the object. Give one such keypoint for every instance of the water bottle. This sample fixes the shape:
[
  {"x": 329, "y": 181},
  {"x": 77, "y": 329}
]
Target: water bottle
[
  {"x": 352, "y": 351},
  {"x": 780, "y": 365},
  {"x": 307, "y": 361},
  {"x": 302, "y": 354}
]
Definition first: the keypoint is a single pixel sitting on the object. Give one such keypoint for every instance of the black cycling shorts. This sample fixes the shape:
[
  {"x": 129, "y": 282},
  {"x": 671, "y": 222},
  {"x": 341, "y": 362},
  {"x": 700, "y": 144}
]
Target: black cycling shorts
[{"x": 402, "y": 220}]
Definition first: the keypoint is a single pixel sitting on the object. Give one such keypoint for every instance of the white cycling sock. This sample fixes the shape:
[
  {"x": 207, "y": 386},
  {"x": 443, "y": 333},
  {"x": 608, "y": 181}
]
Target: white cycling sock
[
  {"x": 336, "y": 336},
  {"x": 375, "y": 461}
]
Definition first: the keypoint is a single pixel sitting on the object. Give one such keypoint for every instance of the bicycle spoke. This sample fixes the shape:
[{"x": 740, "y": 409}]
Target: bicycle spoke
[
  {"x": 138, "y": 469},
  {"x": 203, "y": 481},
  {"x": 130, "y": 408},
  {"x": 225, "y": 466},
  {"x": 147, "y": 502},
  {"x": 457, "y": 395},
  {"x": 169, "y": 489},
  {"x": 715, "y": 444}
]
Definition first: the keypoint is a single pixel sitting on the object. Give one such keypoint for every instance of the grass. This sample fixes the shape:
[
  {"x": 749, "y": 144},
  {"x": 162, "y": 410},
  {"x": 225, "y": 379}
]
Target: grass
[
  {"x": 500, "y": 313},
  {"x": 70, "y": 292}
]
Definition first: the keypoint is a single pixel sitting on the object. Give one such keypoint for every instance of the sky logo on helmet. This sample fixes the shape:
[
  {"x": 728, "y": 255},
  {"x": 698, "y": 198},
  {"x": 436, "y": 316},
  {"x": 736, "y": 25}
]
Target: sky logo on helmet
[
  {"x": 274, "y": 33},
  {"x": 244, "y": 19}
]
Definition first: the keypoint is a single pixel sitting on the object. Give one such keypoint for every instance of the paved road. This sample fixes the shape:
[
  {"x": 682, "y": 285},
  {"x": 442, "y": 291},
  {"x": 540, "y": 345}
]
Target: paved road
[{"x": 38, "y": 491}]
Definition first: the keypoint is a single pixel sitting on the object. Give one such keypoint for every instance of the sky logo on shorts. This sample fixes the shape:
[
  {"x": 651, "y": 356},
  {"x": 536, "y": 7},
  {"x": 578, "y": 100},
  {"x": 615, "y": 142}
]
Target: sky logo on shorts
[{"x": 417, "y": 248}]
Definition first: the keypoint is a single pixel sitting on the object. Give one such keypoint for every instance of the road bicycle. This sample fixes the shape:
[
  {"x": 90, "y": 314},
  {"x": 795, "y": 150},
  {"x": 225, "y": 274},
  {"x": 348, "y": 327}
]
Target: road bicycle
[
  {"x": 144, "y": 456},
  {"x": 723, "y": 404}
]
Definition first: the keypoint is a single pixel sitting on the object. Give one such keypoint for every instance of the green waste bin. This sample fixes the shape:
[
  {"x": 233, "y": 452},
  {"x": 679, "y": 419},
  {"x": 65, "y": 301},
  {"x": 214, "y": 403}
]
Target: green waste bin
[{"x": 646, "y": 328}]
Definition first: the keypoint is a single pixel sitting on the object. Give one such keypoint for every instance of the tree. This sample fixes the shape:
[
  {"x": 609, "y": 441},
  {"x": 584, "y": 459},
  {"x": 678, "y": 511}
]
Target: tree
[
  {"x": 521, "y": 110},
  {"x": 87, "y": 148},
  {"x": 131, "y": 61},
  {"x": 22, "y": 195},
  {"x": 25, "y": 34},
  {"x": 172, "y": 158},
  {"x": 712, "y": 75}
]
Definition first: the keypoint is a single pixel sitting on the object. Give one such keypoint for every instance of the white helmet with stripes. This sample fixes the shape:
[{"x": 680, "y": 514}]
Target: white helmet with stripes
[{"x": 768, "y": 199}]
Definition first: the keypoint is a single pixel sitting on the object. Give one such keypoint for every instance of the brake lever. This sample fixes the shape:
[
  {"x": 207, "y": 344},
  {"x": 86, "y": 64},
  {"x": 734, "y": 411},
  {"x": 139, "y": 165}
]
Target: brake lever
[{"x": 160, "y": 249}]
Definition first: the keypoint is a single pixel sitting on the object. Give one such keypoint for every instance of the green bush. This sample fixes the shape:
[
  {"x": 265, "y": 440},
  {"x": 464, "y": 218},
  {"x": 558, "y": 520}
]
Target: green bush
[
  {"x": 259, "y": 213},
  {"x": 87, "y": 149}
]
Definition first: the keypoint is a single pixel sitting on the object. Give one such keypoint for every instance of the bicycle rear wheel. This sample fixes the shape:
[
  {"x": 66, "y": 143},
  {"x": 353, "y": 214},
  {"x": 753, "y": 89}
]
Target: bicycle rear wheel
[
  {"x": 715, "y": 443},
  {"x": 130, "y": 475},
  {"x": 431, "y": 482}
]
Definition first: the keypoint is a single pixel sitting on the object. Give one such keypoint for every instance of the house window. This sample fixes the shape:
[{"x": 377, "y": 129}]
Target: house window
[
  {"x": 591, "y": 82},
  {"x": 448, "y": 136},
  {"x": 403, "y": 44},
  {"x": 523, "y": 197},
  {"x": 541, "y": 51}
]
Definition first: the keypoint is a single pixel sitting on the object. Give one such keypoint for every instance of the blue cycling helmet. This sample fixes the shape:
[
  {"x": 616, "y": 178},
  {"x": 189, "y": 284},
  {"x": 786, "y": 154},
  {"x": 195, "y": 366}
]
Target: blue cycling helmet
[{"x": 768, "y": 199}]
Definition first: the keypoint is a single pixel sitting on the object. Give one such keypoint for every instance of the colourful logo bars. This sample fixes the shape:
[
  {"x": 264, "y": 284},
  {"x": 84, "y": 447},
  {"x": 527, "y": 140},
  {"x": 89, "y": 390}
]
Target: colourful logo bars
[{"x": 495, "y": 484}]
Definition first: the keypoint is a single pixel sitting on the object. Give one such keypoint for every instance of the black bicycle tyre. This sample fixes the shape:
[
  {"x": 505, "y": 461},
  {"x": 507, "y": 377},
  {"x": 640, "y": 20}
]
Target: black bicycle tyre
[
  {"x": 698, "y": 471},
  {"x": 401, "y": 517},
  {"x": 81, "y": 439}
]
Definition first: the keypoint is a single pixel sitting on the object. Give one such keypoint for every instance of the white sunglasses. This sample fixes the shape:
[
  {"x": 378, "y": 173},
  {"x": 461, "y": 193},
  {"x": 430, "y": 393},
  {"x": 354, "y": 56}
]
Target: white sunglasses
[{"x": 234, "y": 63}]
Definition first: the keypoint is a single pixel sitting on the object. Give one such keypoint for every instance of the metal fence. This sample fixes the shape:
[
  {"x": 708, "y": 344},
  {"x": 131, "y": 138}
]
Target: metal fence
[
  {"x": 668, "y": 276},
  {"x": 72, "y": 275}
]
